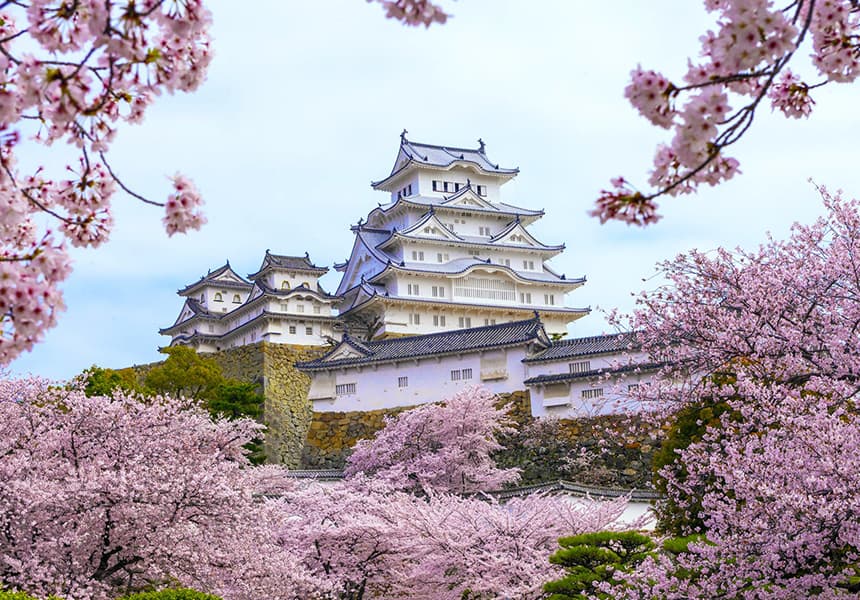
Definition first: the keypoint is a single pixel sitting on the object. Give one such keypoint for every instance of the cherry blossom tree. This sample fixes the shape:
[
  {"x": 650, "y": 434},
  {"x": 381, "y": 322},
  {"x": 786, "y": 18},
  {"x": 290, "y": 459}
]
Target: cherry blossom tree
[
  {"x": 744, "y": 64},
  {"x": 369, "y": 541},
  {"x": 775, "y": 482},
  {"x": 71, "y": 72},
  {"x": 445, "y": 448},
  {"x": 105, "y": 495}
]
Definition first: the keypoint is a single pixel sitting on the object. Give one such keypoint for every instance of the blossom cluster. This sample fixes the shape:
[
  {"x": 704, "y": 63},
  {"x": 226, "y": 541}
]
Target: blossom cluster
[
  {"x": 771, "y": 335},
  {"x": 743, "y": 62},
  {"x": 79, "y": 70}
]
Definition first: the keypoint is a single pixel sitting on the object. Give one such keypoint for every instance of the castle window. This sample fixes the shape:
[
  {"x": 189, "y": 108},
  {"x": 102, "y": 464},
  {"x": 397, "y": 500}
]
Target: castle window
[
  {"x": 237, "y": 299},
  {"x": 316, "y": 310},
  {"x": 211, "y": 328},
  {"x": 633, "y": 387},
  {"x": 482, "y": 190},
  {"x": 344, "y": 389},
  {"x": 438, "y": 291},
  {"x": 309, "y": 330},
  {"x": 413, "y": 289},
  {"x": 457, "y": 187},
  {"x": 285, "y": 285},
  {"x": 549, "y": 299},
  {"x": 300, "y": 308},
  {"x": 436, "y": 185},
  {"x": 465, "y": 322},
  {"x": 506, "y": 262},
  {"x": 402, "y": 382},
  {"x": 525, "y": 297},
  {"x": 414, "y": 319},
  {"x": 529, "y": 265},
  {"x": 218, "y": 297},
  {"x": 467, "y": 373},
  {"x": 456, "y": 375},
  {"x": 582, "y": 366},
  {"x": 285, "y": 306},
  {"x": 592, "y": 393},
  {"x": 293, "y": 329},
  {"x": 489, "y": 321},
  {"x": 484, "y": 231},
  {"x": 439, "y": 320}
]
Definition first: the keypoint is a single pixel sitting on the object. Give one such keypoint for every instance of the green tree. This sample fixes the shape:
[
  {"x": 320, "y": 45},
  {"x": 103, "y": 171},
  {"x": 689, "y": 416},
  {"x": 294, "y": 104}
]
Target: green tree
[
  {"x": 592, "y": 558},
  {"x": 232, "y": 399},
  {"x": 104, "y": 382},
  {"x": 185, "y": 373}
]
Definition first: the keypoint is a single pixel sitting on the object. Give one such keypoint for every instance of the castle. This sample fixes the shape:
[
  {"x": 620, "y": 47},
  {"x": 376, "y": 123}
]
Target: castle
[{"x": 444, "y": 287}]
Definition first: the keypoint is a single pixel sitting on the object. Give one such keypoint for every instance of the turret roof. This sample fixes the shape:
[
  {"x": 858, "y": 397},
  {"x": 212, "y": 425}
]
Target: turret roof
[
  {"x": 441, "y": 157},
  {"x": 223, "y": 276},
  {"x": 291, "y": 263}
]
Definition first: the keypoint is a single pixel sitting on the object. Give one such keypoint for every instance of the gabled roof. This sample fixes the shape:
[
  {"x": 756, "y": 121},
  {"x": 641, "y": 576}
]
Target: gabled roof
[
  {"x": 587, "y": 346},
  {"x": 441, "y": 157},
  {"x": 515, "y": 228},
  {"x": 468, "y": 197},
  {"x": 436, "y": 344},
  {"x": 223, "y": 276},
  {"x": 290, "y": 263},
  {"x": 191, "y": 309}
]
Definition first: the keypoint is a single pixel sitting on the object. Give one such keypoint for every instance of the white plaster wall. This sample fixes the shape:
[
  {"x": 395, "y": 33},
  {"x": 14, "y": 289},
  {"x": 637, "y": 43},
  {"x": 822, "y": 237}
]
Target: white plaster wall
[
  {"x": 429, "y": 380},
  {"x": 457, "y": 175}
]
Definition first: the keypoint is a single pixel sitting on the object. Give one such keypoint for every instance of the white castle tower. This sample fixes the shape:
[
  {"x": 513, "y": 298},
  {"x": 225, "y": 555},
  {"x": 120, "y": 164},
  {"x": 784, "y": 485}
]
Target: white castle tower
[
  {"x": 446, "y": 253},
  {"x": 282, "y": 302}
]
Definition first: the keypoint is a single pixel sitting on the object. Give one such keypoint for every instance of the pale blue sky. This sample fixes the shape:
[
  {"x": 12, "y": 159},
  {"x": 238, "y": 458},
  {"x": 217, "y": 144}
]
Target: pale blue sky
[{"x": 303, "y": 108}]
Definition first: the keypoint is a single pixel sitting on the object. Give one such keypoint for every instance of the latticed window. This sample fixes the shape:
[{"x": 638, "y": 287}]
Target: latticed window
[
  {"x": 467, "y": 373},
  {"x": 344, "y": 389},
  {"x": 485, "y": 288},
  {"x": 592, "y": 393},
  {"x": 402, "y": 382},
  {"x": 582, "y": 366}
]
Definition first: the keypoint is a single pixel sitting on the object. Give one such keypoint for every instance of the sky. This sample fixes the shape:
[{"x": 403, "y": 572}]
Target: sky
[{"x": 304, "y": 105}]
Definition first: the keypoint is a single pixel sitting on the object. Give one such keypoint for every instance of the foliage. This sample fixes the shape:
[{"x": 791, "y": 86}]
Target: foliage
[
  {"x": 444, "y": 448},
  {"x": 104, "y": 382},
  {"x": 744, "y": 63},
  {"x": 780, "y": 474},
  {"x": 595, "y": 557},
  {"x": 185, "y": 373},
  {"x": 21, "y": 596},
  {"x": 681, "y": 512},
  {"x": 171, "y": 594},
  {"x": 233, "y": 399},
  {"x": 77, "y": 69}
]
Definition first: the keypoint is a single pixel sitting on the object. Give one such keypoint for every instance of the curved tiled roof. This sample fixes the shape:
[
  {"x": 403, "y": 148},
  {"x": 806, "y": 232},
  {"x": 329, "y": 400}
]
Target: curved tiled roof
[
  {"x": 460, "y": 266},
  {"x": 442, "y": 157},
  {"x": 562, "y": 377},
  {"x": 212, "y": 277},
  {"x": 435, "y": 344},
  {"x": 587, "y": 346},
  {"x": 292, "y": 263}
]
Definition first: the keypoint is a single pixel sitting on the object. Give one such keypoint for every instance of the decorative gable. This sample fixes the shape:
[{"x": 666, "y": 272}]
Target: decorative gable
[
  {"x": 467, "y": 198},
  {"x": 432, "y": 228},
  {"x": 517, "y": 235}
]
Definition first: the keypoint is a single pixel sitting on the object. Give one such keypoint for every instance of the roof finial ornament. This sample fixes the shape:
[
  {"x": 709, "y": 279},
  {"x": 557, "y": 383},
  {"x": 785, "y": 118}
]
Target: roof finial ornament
[
  {"x": 360, "y": 221},
  {"x": 468, "y": 182},
  {"x": 308, "y": 256},
  {"x": 481, "y": 145},
  {"x": 537, "y": 315},
  {"x": 403, "y": 136}
]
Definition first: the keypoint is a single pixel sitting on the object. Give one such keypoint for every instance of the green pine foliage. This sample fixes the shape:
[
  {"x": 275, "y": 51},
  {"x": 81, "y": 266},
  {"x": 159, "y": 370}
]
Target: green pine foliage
[{"x": 592, "y": 558}]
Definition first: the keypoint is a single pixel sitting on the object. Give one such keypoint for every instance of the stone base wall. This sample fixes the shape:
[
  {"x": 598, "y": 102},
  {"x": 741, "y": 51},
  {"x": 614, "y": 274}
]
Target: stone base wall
[
  {"x": 287, "y": 410},
  {"x": 610, "y": 450},
  {"x": 332, "y": 435}
]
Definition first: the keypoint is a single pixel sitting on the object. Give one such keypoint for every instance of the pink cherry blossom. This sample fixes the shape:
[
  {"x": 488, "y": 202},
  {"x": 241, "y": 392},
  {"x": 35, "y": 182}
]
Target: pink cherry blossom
[
  {"x": 80, "y": 69},
  {"x": 743, "y": 61}
]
